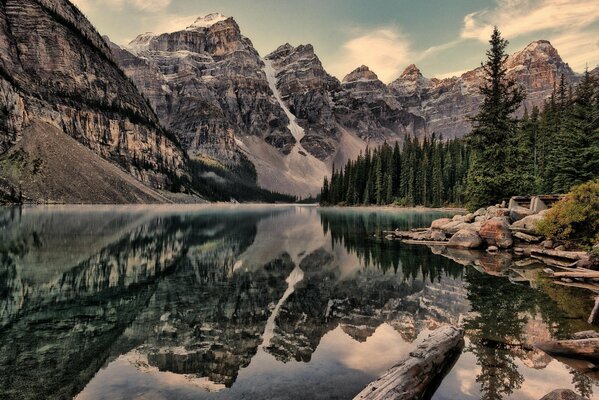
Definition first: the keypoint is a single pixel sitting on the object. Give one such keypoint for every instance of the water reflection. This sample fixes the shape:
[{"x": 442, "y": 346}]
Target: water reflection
[{"x": 252, "y": 302}]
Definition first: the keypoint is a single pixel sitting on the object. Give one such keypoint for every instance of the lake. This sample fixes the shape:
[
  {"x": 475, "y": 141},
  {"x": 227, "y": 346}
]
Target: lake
[{"x": 260, "y": 302}]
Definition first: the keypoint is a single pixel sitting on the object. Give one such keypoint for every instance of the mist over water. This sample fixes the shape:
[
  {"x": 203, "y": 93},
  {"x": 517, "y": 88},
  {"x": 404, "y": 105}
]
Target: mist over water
[{"x": 282, "y": 302}]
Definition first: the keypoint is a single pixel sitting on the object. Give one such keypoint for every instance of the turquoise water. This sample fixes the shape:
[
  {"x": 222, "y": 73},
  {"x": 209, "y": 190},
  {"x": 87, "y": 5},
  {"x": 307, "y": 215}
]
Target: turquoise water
[{"x": 258, "y": 302}]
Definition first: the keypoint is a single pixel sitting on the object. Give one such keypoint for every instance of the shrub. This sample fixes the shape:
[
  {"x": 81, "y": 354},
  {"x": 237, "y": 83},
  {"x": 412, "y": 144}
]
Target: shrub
[{"x": 576, "y": 217}]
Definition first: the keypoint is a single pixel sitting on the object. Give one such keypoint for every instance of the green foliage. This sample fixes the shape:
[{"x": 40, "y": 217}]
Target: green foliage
[
  {"x": 429, "y": 173},
  {"x": 489, "y": 177},
  {"x": 576, "y": 217},
  {"x": 221, "y": 183}
]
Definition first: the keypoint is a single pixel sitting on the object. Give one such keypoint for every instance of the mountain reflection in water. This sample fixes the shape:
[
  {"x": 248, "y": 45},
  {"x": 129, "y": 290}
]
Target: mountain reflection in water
[{"x": 264, "y": 302}]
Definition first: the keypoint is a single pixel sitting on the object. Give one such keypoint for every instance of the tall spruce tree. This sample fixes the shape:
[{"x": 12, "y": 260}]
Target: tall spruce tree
[{"x": 489, "y": 177}]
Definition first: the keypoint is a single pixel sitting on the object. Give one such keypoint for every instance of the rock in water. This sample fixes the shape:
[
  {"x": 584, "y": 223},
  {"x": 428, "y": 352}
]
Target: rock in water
[
  {"x": 466, "y": 239},
  {"x": 414, "y": 377},
  {"x": 496, "y": 232}
]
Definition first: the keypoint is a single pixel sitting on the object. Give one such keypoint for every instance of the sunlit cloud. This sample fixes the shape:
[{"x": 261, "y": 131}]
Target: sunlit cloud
[
  {"x": 521, "y": 17},
  {"x": 386, "y": 51}
]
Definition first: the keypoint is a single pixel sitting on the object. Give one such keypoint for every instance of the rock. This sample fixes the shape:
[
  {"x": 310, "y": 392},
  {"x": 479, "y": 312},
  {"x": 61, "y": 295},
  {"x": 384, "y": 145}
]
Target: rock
[
  {"x": 562, "y": 394},
  {"x": 438, "y": 236},
  {"x": 495, "y": 211},
  {"x": 585, "y": 263},
  {"x": 528, "y": 223},
  {"x": 547, "y": 244},
  {"x": 56, "y": 69},
  {"x": 413, "y": 376},
  {"x": 459, "y": 218},
  {"x": 560, "y": 248},
  {"x": 496, "y": 232},
  {"x": 451, "y": 227},
  {"x": 469, "y": 218},
  {"x": 480, "y": 212},
  {"x": 439, "y": 223},
  {"x": 526, "y": 237},
  {"x": 492, "y": 249},
  {"x": 518, "y": 250},
  {"x": 466, "y": 239},
  {"x": 519, "y": 212},
  {"x": 481, "y": 218}
]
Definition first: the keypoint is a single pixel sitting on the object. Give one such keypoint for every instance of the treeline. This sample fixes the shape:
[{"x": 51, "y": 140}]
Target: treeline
[
  {"x": 546, "y": 151},
  {"x": 431, "y": 173},
  {"x": 558, "y": 147}
]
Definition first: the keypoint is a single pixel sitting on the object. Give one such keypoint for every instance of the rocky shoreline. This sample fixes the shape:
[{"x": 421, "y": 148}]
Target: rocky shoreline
[{"x": 500, "y": 230}]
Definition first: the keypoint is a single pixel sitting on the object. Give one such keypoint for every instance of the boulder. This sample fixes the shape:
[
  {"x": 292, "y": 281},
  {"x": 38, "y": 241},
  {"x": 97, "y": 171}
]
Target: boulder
[
  {"x": 451, "y": 227},
  {"x": 519, "y": 212},
  {"x": 438, "y": 223},
  {"x": 495, "y": 211},
  {"x": 562, "y": 394},
  {"x": 438, "y": 236},
  {"x": 469, "y": 218},
  {"x": 492, "y": 249},
  {"x": 528, "y": 223},
  {"x": 458, "y": 218},
  {"x": 480, "y": 212},
  {"x": 466, "y": 239},
  {"x": 496, "y": 232},
  {"x": 527, "y": 238},
  {"x": 547, "y": 244}
]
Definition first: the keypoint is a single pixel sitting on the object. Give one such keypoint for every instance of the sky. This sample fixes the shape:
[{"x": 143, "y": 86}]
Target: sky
[{"x": 442, "y": 37}]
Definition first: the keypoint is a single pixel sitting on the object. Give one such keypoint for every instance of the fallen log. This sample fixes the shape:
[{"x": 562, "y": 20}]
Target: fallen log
[
  {"x": 581, "y": 349},
  {"x": 419, "y": 375},
  {"x": 577, "y": 274}
]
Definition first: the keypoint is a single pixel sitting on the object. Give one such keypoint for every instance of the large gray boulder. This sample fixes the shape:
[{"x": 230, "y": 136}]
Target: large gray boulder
[
  {"x": 496, "y": 232},
  {"x": 439, "y": 223},
  {"x": 466, "y": 239},
  {"x": 530, "y": 222},
  {"x": 519, "y": 212}
]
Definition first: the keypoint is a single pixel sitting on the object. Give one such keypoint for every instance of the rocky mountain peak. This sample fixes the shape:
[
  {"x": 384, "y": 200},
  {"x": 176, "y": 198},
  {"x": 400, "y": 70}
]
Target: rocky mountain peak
[
  {"x": 362, "y": 73},
  {"x": 207, "y": 21},
  {"x": 541, "y": 53},
  {"x": 411, "y": 72}
]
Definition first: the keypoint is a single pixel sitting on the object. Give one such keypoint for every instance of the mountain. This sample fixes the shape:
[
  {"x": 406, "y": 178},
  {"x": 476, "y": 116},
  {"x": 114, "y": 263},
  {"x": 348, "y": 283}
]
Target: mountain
[
  {"x": 60, "y": 85},
  {"x": 291, "y": 118},
  {"x": 446, "y": 104}
]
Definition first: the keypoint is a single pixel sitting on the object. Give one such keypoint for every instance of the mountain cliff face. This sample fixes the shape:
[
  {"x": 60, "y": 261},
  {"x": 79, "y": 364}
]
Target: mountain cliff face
[
  {"x": 446, "y": 104},
  {"x": 291, "y": 118},
  {"x": 56, "y": 69},
  {"x": 207, "y": 85}
]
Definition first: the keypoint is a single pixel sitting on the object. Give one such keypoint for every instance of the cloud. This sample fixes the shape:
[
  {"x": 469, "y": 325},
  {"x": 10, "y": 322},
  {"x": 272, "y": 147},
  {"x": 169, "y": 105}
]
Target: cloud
[
  {"x": 520, "y": 17},
  {"x": 570, "y": 25},
  {"x": 386, "y": 51},
  {"x": 149, "y": 6}
]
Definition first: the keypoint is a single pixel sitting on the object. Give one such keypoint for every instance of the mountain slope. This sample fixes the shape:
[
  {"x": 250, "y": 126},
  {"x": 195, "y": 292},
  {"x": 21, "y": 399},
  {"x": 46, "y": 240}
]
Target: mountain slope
[
  {"x": 287, "y": 115},
  {"x": 56, "y": 69}
]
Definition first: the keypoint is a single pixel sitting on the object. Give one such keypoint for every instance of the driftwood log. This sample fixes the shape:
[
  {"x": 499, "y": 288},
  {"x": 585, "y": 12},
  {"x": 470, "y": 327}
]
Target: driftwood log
[
  {"x": 581, "y": 349},
  {"x": 420, "y": 374}
]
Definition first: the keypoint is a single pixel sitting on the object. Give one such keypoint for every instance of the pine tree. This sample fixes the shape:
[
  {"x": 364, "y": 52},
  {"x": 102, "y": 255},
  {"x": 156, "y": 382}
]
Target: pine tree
[{"x": 488, "y": 180}]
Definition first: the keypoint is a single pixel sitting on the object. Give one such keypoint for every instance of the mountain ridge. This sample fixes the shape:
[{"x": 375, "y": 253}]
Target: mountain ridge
[{"x": 338, "y": 118}]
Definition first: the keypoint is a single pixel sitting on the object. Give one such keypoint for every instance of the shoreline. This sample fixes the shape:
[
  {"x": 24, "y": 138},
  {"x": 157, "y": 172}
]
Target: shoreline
[{"x": 458, "y": 210}]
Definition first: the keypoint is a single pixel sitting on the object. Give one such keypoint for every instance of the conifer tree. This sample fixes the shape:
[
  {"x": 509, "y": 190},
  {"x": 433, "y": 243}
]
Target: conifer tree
[{"x": 488, "y": 178}]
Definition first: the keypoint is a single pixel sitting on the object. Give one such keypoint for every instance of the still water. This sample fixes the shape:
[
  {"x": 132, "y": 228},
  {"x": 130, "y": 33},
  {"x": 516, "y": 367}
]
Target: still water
[{"x": 260, "y": 302}]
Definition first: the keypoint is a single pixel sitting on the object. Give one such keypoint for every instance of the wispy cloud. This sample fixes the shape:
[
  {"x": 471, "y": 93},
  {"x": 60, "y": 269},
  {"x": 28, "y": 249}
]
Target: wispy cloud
[
  {"x": 386, "y": 51},
  {"x": 149, "y": 6},
  {"x": 521, "y": 17},
  {"x": 569, "y": 24}
]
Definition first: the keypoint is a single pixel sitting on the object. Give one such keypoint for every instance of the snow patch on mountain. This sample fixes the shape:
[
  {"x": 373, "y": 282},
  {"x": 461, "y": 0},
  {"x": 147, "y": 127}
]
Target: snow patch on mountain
[{"x": 207, "y": 21}]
